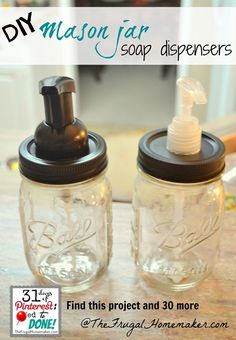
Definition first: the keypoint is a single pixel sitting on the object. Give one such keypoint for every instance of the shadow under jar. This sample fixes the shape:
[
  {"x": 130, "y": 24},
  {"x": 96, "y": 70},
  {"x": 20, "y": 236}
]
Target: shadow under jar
[{"x": 178, "y": 204}]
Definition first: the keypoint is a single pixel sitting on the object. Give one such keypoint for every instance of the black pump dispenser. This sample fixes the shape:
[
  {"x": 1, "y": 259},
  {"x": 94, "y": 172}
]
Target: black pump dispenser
[
  {"x": 62, "y": 150},
  {"x": 60, "y": 135},
  {"x": 58, "y": 100}
]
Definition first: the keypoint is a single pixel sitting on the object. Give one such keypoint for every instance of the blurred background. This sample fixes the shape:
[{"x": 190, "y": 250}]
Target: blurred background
[{"x": 119, "y": 102}]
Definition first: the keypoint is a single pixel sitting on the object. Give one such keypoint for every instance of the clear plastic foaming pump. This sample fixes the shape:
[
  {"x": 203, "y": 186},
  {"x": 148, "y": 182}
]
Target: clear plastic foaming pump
[{"x": 184, "y": 132}]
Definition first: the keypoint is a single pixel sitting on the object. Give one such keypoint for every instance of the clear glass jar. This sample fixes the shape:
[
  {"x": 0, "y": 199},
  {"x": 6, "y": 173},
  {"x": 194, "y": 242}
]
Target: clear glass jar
[
  {"x": 67, "y": 231},
  {"x": 176, "y": 230}
]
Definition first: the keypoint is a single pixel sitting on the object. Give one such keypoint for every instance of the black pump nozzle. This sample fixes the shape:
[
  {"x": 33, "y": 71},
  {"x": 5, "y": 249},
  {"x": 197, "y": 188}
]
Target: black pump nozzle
[
  {"x": 57, "y": 92},
  {"x": 61, "y": 135},
  {"x": 56, "y": 85}
]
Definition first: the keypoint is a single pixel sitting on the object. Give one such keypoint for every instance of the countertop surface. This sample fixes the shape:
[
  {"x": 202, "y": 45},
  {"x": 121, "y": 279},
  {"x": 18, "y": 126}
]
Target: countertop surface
[{"x": 216, "y": 296}]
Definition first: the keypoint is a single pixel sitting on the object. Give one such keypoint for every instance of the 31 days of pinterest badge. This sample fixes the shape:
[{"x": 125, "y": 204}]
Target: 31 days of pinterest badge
[{"x": 35, "y": 311}]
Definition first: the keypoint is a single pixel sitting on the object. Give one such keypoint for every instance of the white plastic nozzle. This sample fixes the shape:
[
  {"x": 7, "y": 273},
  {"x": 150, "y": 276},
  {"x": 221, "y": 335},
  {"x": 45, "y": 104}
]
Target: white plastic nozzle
[{"x": 184, "y": 132}]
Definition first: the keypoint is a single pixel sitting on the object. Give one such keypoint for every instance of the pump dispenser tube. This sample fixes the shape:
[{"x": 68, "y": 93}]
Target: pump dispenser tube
[{"x": 184, "y": 133}]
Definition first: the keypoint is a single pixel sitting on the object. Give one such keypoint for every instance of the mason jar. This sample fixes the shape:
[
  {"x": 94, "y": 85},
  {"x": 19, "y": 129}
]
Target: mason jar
[
  {"x": 65, "y": 211},
  {"x": 178, "y": 204},
  {"x": 65, "y": 197},
  {"x": 67, "y": 231}
]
